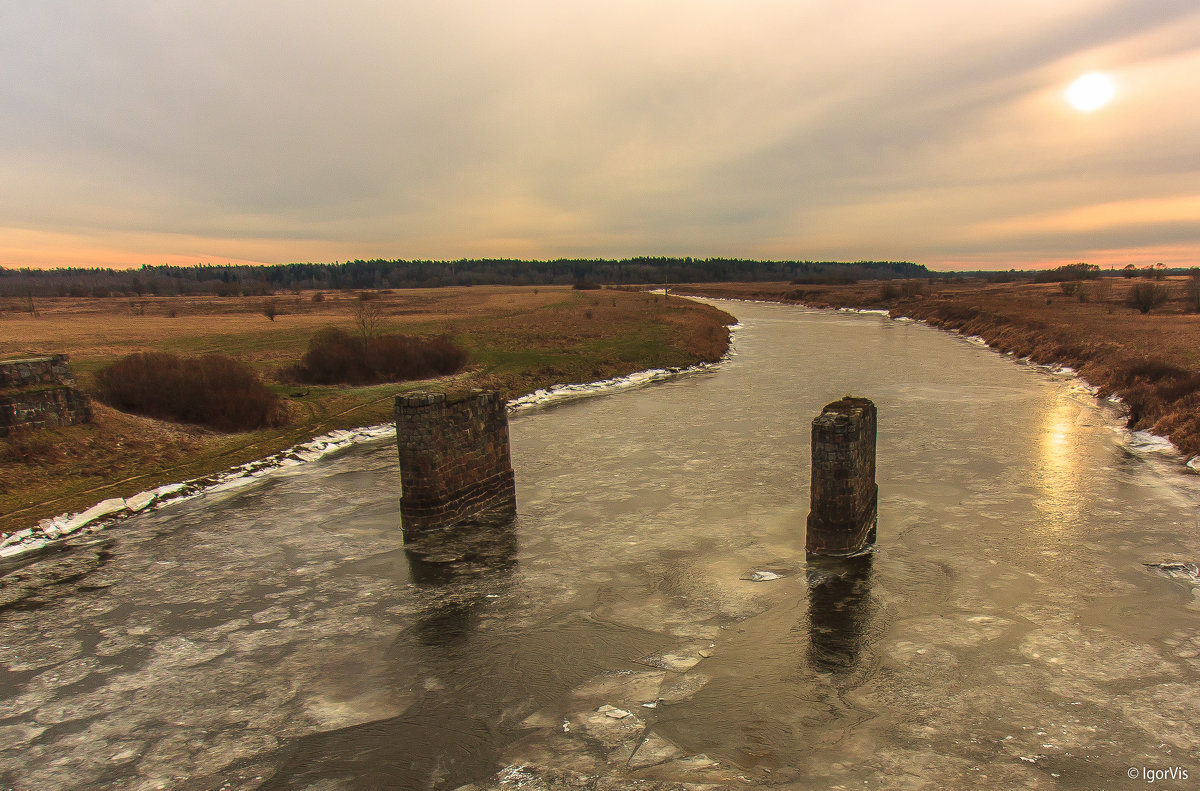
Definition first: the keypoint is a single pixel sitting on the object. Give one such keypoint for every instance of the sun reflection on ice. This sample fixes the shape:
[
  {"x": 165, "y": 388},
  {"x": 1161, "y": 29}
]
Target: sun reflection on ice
[{"x": 1059, "y": 456}]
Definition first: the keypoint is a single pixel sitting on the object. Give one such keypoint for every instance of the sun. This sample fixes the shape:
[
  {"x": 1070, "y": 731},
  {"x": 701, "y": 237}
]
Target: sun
[{"x": 1091, "y": 92}]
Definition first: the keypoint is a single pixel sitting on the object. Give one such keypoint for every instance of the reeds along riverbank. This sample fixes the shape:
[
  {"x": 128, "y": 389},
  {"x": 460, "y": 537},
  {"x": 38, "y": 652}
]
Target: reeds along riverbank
[{"x": 1151, "y": 361}]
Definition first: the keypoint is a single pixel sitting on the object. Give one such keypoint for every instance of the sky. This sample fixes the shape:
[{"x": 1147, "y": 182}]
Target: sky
[{"x": 933, "y": 131}]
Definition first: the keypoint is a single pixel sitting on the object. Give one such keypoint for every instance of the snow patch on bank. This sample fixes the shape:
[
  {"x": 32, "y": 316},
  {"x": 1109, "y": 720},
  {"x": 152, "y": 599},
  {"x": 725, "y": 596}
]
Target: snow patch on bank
[
  {"x": 109, "y": 512},
  {"x": 560, "y": 393},
  {"x": 869, "y": 311},
  {"x": 1145, "y": 442}
]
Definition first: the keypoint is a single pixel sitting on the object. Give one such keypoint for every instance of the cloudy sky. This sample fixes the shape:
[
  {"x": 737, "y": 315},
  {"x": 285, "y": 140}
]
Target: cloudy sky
[{"x": 933, "y": 131}]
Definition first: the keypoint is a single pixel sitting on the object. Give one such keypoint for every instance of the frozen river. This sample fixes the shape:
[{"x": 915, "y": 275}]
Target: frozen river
[{"x": 1006, "y": 632}]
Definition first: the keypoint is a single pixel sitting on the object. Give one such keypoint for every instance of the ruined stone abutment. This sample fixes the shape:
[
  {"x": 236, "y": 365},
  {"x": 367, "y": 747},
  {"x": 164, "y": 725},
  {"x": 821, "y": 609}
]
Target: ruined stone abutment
[
  {"x": 40, "y": 392},
  {"x": 844, "y": 495},
  {"x": 455, "y": 463}
]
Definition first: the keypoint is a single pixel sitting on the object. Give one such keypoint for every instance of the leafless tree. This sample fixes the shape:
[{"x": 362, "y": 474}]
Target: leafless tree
[
  {"x": 368, "y": 320},
  {"x": 1100, "y": 289},
  {"x": 1147, "y": 296}
]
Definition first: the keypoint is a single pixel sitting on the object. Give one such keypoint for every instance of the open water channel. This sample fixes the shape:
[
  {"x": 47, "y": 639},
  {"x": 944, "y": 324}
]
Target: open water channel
[{"x": 1005, "y": 633}]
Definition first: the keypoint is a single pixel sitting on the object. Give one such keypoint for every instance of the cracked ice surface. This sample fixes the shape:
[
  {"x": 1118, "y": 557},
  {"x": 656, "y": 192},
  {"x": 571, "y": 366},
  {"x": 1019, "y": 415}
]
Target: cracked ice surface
[{"x": 1008, "y": 631}]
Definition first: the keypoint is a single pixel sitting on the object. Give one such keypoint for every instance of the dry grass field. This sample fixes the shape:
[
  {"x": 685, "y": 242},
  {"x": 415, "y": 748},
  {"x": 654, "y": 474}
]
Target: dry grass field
[
  {"x": 519, "y": 339},
  {"x": 1152, "y": 361}
]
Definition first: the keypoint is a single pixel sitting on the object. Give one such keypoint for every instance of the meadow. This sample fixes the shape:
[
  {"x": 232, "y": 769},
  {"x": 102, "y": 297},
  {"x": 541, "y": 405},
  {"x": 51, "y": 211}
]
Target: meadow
[{"x": 518, "y": 339}]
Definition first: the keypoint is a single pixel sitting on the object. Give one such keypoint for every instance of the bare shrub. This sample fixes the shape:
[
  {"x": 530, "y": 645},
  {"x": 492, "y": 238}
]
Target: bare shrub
[
  {"x": 1100, "y": 290},
  {"x": 270, "y": 309},
  {"x": 368, "y": 320},
  {"x": 319, "y": 296},
  {"x": 213, "y": 390},
  {"x": 1192, "y": 289},
  {"x": 1145, "y": 297},
  {"x": 888, "y": 291},
  {"x": 1069, "y": 287},
  {"x": 334, "y": 356}
]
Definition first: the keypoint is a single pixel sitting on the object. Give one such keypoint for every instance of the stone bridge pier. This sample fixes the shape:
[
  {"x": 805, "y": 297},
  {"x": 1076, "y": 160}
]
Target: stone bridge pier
[
  {"x": 455, "y": 463},
  {"x": 844, "y": 495}
]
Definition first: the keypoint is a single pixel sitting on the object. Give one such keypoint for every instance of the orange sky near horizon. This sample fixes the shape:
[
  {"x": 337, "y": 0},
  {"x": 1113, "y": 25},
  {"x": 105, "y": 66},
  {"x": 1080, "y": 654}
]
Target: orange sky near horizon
[
  {"x": 64, "y": 256},
  {"x": 935, "y": 132}
]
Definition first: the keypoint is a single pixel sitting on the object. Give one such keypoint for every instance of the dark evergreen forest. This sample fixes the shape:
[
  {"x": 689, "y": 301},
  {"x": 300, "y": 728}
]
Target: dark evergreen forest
[{"x": 259, "y": 280}]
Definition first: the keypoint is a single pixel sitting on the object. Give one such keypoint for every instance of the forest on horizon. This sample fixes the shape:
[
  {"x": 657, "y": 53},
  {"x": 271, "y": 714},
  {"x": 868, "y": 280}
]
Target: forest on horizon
[{"x": 250, "y": 280}]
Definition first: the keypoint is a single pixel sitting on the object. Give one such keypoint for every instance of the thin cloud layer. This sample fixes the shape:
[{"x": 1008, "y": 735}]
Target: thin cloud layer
[{"x": 144, "y": 132}]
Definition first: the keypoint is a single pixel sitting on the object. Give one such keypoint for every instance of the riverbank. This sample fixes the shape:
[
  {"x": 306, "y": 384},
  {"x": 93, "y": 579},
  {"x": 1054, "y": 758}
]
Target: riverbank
[
  {"x": 521, "y": 340},
  {"x": 1150, "y": 362}
]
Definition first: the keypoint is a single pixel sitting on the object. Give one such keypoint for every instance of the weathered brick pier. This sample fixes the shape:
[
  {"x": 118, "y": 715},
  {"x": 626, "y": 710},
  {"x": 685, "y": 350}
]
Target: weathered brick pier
[
  {"x": 40, "y": 392},
  {"x": 844, "y": 495},
  {"x": 455, "y": 462}
]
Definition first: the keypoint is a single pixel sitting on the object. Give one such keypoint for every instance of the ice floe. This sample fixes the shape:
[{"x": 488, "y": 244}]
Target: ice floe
[
  {"x": 1177, "y": 569},
  {"x": 140, "y": 502},
  {"x": 1145, "y": 442}
]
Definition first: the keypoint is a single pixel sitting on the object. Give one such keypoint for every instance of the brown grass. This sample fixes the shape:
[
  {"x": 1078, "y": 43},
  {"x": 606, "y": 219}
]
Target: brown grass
[{"x": 1152, "y": 361}]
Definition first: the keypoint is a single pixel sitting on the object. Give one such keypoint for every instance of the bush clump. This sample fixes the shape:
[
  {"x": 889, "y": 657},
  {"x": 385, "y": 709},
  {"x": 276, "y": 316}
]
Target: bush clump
[
  {"x": 335, "y": 356},
  {"x": 213, "y": 390},
  {"x": 1145, "y": 297}
]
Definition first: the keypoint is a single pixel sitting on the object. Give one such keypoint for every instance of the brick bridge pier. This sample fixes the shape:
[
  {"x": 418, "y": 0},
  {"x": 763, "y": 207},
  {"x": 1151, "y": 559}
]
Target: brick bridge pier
[
  {"x": 455, "y": 463},
  {"x": 844, "y": 495}
]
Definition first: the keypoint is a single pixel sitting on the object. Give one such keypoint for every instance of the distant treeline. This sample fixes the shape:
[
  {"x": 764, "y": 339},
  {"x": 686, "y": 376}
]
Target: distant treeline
[{"x": 261, "y": 280}]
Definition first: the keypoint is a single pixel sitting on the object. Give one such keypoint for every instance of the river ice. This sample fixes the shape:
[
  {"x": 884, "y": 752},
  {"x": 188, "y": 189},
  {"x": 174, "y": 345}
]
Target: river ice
[{"x": 1027, "y": 620}]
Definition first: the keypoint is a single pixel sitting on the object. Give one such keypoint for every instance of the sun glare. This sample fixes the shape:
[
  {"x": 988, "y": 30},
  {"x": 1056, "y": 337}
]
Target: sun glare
[{"x": 1091, "y": 92}]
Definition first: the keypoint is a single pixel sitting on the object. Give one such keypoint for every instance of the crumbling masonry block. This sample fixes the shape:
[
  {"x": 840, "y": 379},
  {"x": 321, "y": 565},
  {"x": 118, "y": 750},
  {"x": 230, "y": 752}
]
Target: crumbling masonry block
[
  {"x": 40, "y": 392},
  {"x": 455, "y": 462},
  {"x": 845, "y": 498}
]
